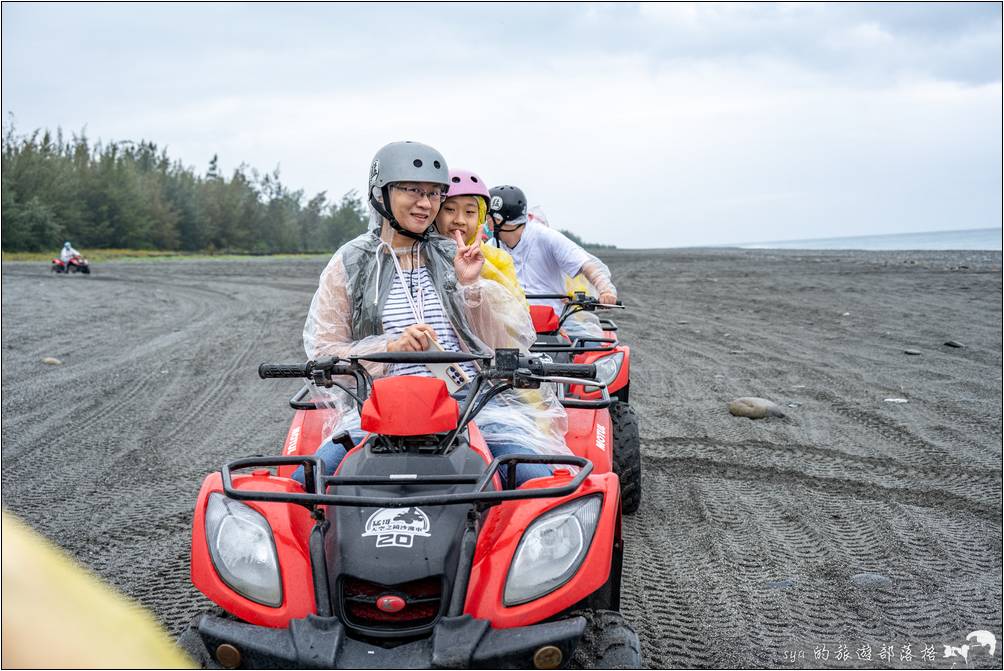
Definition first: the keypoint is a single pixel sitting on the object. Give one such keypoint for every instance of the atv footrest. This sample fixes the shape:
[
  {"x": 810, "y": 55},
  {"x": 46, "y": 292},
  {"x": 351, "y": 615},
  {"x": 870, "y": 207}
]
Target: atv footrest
[{"x": 321, "y": 643}]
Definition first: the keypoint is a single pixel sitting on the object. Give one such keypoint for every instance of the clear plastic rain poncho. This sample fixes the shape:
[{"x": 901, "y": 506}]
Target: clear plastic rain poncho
[
  {"x": 346, "y": 318},
  {"x": 584, "y": 322}
]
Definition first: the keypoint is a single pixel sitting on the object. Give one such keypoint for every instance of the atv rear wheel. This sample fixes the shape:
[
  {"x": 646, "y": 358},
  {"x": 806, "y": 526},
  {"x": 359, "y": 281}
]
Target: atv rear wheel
[
  {"x": 627, "y": 455},
  {"x": 608, "y": 642}
]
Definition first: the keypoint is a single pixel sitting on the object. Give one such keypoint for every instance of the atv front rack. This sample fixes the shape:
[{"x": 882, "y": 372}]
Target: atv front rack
[
  {"x": 577, "y": 346},
  {"x": 316, "y": 486}
]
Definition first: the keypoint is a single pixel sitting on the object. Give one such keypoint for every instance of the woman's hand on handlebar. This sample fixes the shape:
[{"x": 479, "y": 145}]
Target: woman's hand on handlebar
[{"x": 416, "y": 338}]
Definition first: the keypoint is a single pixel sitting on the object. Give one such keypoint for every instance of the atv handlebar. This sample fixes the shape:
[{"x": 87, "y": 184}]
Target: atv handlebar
[
  {"x": 420, "y": 357},
  {"x": 586, "y": 371},
  {"x": 268, "y": 370}
]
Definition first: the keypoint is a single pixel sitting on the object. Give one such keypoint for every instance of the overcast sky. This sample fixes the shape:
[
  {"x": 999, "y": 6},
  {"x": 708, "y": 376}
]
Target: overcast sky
[{"x": 638, "y": 125}]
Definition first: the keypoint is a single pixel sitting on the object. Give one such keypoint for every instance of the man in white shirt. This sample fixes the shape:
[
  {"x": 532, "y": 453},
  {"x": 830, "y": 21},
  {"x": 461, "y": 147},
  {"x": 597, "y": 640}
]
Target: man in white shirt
[{"x": 542, "y": 255}]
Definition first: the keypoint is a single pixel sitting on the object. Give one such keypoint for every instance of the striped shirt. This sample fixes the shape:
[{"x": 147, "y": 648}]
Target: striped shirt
[{"x": 397, "y": 315}]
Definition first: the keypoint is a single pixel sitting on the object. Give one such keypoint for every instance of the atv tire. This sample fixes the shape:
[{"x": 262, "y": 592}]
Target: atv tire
[
  {"x": 627, "y": 455},
  {"x": 608, "y": 642}
]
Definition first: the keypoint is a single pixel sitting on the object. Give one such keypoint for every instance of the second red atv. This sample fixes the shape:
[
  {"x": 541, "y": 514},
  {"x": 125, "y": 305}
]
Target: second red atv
[
  {"x": 613, "y": 367},
  {"x": 414, "y": 554}
]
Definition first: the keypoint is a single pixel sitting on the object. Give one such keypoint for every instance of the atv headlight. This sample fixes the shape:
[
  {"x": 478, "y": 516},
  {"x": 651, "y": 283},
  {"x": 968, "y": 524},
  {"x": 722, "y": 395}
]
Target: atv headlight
[
  {"x": 551, "y": 550},
  {"x": 607, "y": 369},
  {"x": 243, "y": 550}
]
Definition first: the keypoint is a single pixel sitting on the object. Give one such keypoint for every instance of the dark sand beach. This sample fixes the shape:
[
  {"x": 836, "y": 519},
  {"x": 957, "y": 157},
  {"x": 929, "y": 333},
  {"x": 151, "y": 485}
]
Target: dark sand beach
[{"x": 853, "y": 528}]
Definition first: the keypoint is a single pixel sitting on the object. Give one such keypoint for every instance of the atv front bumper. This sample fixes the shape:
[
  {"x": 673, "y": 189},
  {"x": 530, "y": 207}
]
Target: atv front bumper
[{"x": 321, "y": 643}]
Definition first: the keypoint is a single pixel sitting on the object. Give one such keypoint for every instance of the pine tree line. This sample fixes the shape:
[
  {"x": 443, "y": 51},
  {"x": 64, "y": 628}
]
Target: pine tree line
[{"x": 132, "y": 195}]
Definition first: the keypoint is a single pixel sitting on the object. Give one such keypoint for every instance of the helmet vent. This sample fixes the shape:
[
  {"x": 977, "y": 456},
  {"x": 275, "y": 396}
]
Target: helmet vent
[
  {"x": 436, "y": 165},
  {"x": 473, "y": 179},
  {"x": 456, "y": 180},
  {"x": 417, "y": 163}
]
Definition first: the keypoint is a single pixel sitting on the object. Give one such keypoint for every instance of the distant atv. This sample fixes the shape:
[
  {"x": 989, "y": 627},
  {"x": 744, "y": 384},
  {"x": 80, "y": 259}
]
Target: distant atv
[
  {"x": 613, "y": 368},
  {"x": 76, "y": 264},
  {"x": 414, "y": 554}
]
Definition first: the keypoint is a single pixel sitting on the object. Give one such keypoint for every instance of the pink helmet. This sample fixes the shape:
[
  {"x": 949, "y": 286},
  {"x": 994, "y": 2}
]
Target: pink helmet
[{"x": 467, "y": 183}]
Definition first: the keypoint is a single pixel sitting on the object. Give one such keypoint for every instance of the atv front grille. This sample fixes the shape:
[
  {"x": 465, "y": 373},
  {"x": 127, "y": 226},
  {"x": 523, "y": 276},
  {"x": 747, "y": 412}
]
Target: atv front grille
[{"x": 423, "y": 601}]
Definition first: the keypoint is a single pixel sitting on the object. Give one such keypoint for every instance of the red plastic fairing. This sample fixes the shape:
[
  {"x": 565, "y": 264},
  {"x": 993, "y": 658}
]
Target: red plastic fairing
[
  {"x": 305, "y": 435},
  {"x": 590, "y": 435},
  {"x": 291, "y": 530},
  {"x": 501, "y": 535},
  {"x": 544, "y": 318},
  {"x": 623, "y": 375},
  {"x": 409, "y": 405}
]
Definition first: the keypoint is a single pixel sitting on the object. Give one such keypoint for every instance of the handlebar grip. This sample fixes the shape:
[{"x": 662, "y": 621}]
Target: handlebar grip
[
  {"x": 583, "y": 370},
  {"x": 267, "y": 370}
]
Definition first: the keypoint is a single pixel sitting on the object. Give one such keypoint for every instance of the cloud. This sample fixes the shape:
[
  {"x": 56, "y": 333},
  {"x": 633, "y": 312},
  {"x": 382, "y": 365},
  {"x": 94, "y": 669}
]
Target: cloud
[{"x": 648, "y": 125}]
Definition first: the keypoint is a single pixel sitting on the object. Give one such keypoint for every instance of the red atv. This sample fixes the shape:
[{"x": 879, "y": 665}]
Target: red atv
[
  {"x": 613, "y": 368},
  {"x": 76, "y": 264},
  {"x": 414, "y": 554}
]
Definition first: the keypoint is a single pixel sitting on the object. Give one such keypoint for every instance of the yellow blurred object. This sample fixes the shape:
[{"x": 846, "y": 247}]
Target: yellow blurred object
[
  {"x": 578, "y": 283},
  {"x": 58, "y": 615}
]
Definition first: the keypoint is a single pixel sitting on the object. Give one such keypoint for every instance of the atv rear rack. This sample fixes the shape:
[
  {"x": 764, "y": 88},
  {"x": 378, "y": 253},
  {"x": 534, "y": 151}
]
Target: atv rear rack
[{"x": 316, "y": 486}]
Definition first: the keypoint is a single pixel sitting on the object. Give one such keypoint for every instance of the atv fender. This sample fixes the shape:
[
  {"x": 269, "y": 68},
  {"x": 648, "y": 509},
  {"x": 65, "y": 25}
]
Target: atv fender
[
  {"x": 305, "y": 435},
  {"x": 590, "y": 435},
  {"x": 291, "y": 526},
  {"x": 501, "y": 535}
]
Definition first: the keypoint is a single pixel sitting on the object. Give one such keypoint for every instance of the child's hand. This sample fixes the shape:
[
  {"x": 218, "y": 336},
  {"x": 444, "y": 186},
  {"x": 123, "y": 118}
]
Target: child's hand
[{"x": 468, "y": 261}]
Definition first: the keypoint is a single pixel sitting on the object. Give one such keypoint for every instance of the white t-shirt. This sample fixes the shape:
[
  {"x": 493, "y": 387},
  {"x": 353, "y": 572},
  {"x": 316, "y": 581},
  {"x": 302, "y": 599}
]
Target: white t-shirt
[{"x": 542, "y": 258}]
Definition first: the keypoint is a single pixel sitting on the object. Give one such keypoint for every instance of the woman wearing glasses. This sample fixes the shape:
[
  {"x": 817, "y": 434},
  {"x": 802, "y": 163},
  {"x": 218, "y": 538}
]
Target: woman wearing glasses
[{"x": 402, "y": 287}]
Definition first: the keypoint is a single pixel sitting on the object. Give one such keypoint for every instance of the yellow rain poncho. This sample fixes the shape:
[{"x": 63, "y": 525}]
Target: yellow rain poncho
[{"x": 498, "y": 264}]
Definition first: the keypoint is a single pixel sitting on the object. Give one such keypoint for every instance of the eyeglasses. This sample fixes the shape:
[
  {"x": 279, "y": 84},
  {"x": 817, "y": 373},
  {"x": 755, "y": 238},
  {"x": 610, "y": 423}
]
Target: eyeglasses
[{"x": 436, "y": 196}]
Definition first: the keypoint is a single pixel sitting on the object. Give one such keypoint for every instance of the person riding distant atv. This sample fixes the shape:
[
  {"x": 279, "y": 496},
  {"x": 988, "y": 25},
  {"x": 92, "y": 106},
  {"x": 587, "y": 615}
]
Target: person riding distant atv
[
  {"x": 542, "y": 255},
  {"x": 70, "y": 261},
  {"x": 403, "y": 288},
  {"x": 67, "y": 252}
]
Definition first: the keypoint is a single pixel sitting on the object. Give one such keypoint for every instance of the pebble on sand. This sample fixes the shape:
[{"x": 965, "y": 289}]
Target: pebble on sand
[
  {"x": 912, "y": 352},
  {"x": 954, "y": 343},
  {"x": 871, "y": 580},
  {"x": 52, "y": 361},
  {"x": 755, "y": 408}
]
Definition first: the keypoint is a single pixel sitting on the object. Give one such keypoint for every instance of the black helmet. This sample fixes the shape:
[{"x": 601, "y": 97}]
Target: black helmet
[{"x": 507, "y": 206}]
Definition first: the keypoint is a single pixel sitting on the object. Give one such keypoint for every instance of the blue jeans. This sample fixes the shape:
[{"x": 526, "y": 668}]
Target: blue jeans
[{"x": 332, "y": 453}]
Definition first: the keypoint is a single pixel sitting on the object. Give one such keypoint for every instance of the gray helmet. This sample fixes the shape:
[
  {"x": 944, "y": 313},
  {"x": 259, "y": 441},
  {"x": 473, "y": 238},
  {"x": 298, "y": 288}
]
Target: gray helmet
[{"x": 404, "y": 162}]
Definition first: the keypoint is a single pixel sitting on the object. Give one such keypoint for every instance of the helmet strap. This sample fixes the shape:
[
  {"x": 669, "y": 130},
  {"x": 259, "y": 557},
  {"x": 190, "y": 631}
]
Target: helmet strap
[{"x": 384, "y": 212}]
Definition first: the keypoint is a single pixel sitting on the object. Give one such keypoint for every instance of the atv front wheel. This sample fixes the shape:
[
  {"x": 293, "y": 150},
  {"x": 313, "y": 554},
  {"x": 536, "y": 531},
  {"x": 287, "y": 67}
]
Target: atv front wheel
[
  {"x": 608, "y": 642},
  {"x": 627, "y": 455}
]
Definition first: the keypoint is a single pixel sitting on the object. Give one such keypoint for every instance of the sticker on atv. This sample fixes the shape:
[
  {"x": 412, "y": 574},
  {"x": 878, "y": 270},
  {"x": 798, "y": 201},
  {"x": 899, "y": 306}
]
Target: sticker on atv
[
  {"x": 397, "y": 527},
  {"x": 601, "y": 437},
  {"x": 294, "y": 438}
]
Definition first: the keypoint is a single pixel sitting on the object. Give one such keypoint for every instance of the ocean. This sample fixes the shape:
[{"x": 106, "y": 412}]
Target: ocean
[{"x": 973, "y": 238}]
